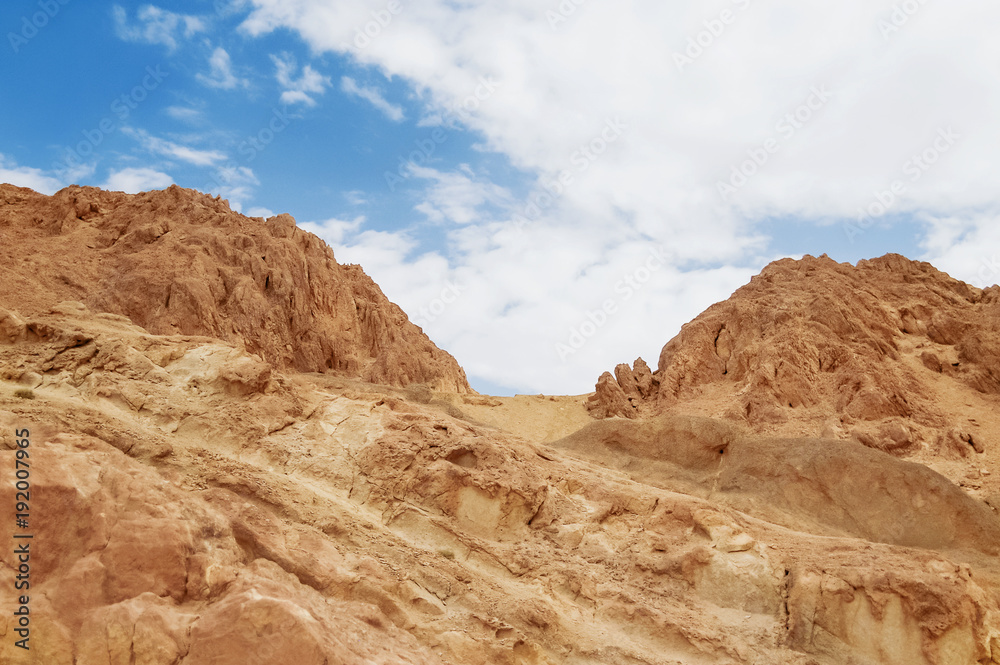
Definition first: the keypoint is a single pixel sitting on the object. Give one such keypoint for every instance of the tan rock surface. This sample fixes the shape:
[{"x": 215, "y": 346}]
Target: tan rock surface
[
  {"x": 292, "y": 520},
  {"x": 180, "y": 262},
  {"x": 536, "y": 418},
  {"x": 891, "y": 353},
  {"x": 197, "y": 502}
]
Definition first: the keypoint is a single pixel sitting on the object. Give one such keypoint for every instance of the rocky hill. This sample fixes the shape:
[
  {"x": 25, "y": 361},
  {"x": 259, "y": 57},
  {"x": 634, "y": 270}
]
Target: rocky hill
[
  {"x": 197, "y": 501},
  {"x": 180, "y": 262},
  {"x": 815, "y": 346},
  {"x": 190, "y": 505}
]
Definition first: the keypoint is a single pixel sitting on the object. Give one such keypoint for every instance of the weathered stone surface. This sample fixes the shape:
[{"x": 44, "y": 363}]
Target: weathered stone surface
[
  {"x": 610, "y": 399},
  {"x": 813, "y": 339},
  {"x": 180, "y": 262},
  {"x": 196, "y": 500},
  {"x": 292, "y": 520}
]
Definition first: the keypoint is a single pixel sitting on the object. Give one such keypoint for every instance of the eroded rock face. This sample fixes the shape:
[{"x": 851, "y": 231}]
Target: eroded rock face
[
  {"x": 924, "y": 618},
  {"x": 836, "y": 487},
  {"x": 815, "y": 334},
  {"x": 180, "y": 262},
  {"x": 197, "y": 501},
  {"x": 610, "y": 399},
  {"x": 200, "y": 505}
]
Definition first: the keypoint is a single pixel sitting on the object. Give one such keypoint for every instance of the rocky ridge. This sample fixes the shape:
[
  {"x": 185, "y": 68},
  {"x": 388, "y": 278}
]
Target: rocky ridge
[
  {"x": 180, "y": 262},
  {"x": 814, "y": 346}
]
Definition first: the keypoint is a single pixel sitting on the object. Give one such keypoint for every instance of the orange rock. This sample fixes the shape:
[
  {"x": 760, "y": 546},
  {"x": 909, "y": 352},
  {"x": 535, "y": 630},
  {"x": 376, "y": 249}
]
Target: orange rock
[
  {"x": 816, "y": 332},
  {"x": 610, "y": 399},
  {"x": 177, "y": 261}
]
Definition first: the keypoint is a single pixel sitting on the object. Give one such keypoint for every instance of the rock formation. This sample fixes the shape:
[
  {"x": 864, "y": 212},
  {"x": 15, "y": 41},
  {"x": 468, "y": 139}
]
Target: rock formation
[
  {"x": 180, "y": 262},
  {"x": 197, "y": 499},
  {"x": 820, "y": 341},
  {"x": 192, "y": 504}
]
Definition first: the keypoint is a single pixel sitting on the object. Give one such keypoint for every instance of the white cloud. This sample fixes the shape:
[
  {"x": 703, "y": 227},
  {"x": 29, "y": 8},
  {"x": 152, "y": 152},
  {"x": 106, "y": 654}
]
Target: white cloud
[
  {"x": 173, "y": 150},
  {"x": 356, "y": 197},
  {"x": 221, "y": 76},
  {"x": 556, "y": 88},
  {"x": 535, "y": 298},
  {"x": 334, "y": 231},
  {"x": 25, "y": 176},
  {"x": 71, "y": 173},
  {"x": 457, "y": 196},
  {"x": 260, "y": 212},
  {"x": 828, "y": 110},
  {"x": 302, "y": 89},
  {"x": 156, "y": 26},
  {"x": 185, "y": 114},
  {"x": 967, "y": 247},
  {"x": 373, "y": 97},
  {"x": 227, "y": 8},
  {"x": 235, "y": 183},
  {"x": 136, "y": 180}
]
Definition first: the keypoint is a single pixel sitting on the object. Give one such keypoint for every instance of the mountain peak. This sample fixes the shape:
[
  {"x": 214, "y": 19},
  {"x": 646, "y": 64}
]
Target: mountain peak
[{"x": 177, "y": 261}]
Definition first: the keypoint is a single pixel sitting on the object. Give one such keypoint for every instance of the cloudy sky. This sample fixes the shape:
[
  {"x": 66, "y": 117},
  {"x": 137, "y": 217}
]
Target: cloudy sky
[{"x": 547, "y": 187}]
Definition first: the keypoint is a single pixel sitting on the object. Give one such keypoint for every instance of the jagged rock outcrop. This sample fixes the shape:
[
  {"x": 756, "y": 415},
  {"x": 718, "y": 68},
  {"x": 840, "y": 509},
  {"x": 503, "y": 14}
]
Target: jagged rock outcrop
[
  {"x": 193, "y": 504},
  {"x": 851, "y": 344},
  {"x": 180, "y": 262},
  {"x": 624, "y": 393}
]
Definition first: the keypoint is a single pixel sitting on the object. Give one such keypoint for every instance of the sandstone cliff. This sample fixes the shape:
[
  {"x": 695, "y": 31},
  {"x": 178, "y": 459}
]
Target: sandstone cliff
[{"x": 180, "y": 262}]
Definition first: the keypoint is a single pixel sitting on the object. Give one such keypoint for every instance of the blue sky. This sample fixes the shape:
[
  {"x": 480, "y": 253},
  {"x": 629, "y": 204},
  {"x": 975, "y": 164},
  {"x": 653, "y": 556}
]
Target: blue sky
[
  {"x": 547, "y": 188},
  {"x": 328, "y": 154}
]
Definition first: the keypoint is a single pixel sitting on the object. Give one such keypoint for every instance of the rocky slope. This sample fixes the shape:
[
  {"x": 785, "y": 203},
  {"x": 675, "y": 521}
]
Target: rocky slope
[
  {"x": 816, "y": 343},
  {"x": 180, "y": 262},
  {"x": 191, "y": 504},
  {"x": 196, "y": 500}
]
